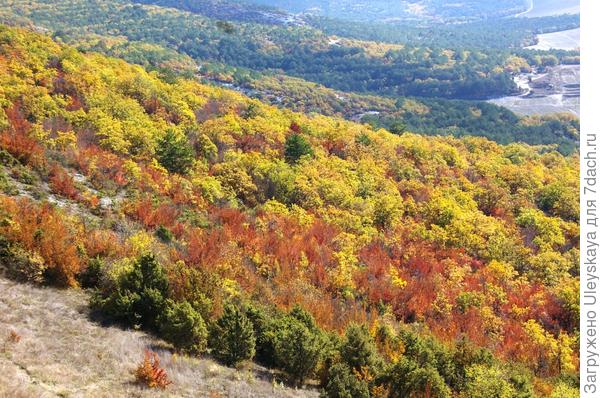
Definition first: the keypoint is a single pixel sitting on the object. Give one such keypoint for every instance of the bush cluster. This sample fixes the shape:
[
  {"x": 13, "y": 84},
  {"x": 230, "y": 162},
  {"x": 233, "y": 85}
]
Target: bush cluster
[{"x": 355, "y": 365}]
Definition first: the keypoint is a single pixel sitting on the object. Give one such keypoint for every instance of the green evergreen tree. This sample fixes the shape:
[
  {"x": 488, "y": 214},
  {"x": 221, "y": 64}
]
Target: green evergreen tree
[
  {"x": 406, "y": 379},
  {"x": 140, "y": 296},
  {"x": 261, "y": 323},
  {"x": 303, "y": 316},
  {"x": 298, "y": 349},
  {"x": 358, "y": 349},
  {"x": 175, "y": 153},
  {"x": 296, "y": 146},
  {"x": 184, "y": 327},
  {"x": 232, "y": 337},
  {"x": 343, "y": 384},
  {"x": 397, "y": 127}
]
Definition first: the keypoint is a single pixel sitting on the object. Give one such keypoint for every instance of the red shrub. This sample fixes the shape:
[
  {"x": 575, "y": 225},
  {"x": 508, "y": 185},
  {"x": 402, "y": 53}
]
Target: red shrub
[
  {"x": 41, "y": 229},
  {"x": 150, "y": 373},
  {"x": 17, "y": 141},
  {"x": 295, "y": 128},
  {"x": 61, "y": 183},
  {"x": 13, "y": 337},
  {"x": 144, "y": 211},
  {"x": 102, "y": 243},
  {"x": 101, "y": 166}
]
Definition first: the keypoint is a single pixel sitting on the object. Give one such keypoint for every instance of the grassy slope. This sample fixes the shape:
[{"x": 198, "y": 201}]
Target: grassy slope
[{"x": 62, "y": 352}]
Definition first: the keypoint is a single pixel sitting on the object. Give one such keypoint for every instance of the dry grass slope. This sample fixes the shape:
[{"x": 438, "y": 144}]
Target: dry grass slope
[{"x": 62, "y": 353}]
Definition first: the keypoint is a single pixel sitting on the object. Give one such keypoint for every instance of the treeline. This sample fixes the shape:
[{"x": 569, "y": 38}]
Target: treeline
[
  {"x": 461, "y": 118},
  {"x": 381, "y": 10},
  {"x": 230, "y": 10}
]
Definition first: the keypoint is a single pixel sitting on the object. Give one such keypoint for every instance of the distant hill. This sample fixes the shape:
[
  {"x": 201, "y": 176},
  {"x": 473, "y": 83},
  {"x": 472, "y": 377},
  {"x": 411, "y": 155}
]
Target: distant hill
[{"x": 382, "y": 10}]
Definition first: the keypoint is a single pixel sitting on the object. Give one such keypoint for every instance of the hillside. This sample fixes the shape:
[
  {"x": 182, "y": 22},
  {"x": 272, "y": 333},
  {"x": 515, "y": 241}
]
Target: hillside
[
  {"x": 368, "y": 263},
  {"x": 43, "y": 363},
  {"x": 300, "y": 51},
  {"x": 379, "y": 10},
  {"x": 335, "y": 74}
]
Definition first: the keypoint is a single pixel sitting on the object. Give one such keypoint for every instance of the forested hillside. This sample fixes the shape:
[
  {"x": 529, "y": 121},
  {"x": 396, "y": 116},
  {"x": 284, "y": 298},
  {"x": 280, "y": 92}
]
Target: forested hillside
[
  {"x": 368, "y": 263},
  {"x": 454, "y": 58},
  {"x": 304, "y": 52},
  {"x": 381, "y": 10}
]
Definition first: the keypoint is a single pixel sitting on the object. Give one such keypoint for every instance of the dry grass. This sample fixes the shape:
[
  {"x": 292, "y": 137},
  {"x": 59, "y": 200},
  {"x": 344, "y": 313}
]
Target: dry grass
[{"x": 61, "y": 352}]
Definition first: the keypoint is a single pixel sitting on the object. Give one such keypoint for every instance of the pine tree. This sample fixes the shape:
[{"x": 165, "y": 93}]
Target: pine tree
[
  {"x": 406, "y": 379},
  {"x": 358, "y": 349},
  {"x": 343, "y": 384},
  {"x": 296, "y": 146},
  {"x": 175, "y": 152},
  {"x": 298, "y": 349},
  {"x": 140, "y": 296},
  {"x": 184, "y": 327},
  {"x": 232, "y": 337}
]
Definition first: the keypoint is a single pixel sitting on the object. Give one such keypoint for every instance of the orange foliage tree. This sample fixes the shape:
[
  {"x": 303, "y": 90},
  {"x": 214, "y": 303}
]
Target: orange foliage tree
[{"x": 41, "y": 229}]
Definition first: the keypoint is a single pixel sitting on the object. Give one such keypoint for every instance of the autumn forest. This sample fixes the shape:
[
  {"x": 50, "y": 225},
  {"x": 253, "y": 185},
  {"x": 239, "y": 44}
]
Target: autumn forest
[{"x": 354, "y": 261}]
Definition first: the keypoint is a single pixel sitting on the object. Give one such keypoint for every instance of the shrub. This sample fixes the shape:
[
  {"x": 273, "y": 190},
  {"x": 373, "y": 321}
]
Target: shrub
[
  {"x": 164, "y": 234},
  {"x": 182, "y": 326},
  {"x": 563, "y": 390},
  {"x": 297, "y": 348},
  {"x": 42, "y": 230},
  {"x": 90, "y": 277},
  {"x": 18, "y": 141},
  {"x": 61, "y": 183},
  {"x": 521, "y": 382},
  {"x": 465, "y": 355},
  {"x": 140, "y": 294},
  {"x": 22, "y": 264},
  {"x": 149, "y": 372},
  {"x": 13, "y": 337},
  {"x": 358, "y": 349},
  {"x": 343, "y": 384},
  {"x": 486, "y": 382},
  {"x": 232, "y": 337},
  {"x": 102, "y": 243},
  {"x": 6, "y": 186}
]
